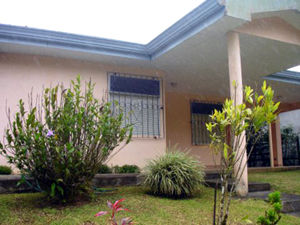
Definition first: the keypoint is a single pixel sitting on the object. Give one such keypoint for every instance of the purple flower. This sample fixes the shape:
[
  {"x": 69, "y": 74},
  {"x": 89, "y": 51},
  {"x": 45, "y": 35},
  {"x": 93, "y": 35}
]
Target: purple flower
[{"x": 50, "y": 133}]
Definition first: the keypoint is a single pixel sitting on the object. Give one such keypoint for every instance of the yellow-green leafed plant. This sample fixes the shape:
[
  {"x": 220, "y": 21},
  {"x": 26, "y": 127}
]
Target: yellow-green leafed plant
[
  {"x": 174, "y": 174},
  {"x": 256, "y": 111},
  {"x": 272, "y": 216}
]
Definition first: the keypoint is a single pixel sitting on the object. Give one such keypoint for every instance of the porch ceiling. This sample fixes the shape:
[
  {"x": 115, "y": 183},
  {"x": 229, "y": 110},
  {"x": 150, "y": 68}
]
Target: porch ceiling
[
  {"x": 199, "y": 65},
  {"x": 203, "y": 68}
]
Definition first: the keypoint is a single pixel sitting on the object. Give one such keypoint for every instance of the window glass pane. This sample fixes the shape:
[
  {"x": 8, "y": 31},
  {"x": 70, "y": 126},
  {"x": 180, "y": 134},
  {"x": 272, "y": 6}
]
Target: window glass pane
[
  {"x": 204, "y": 108},
  {"x": 134, "y": 85}
]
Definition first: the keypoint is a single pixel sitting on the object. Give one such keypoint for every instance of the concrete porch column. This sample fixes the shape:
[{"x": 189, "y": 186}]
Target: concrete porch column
[
  {"x": 276, "y": 143},
  {"x": 235, "y": 74}
]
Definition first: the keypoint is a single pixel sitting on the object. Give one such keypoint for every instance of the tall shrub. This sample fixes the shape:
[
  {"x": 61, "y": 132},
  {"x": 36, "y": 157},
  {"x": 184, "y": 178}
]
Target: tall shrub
[{"x": 62, "y": 140}]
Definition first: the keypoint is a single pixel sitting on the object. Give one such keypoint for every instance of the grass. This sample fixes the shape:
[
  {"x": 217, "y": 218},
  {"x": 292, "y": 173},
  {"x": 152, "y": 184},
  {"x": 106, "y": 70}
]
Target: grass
[
  {"x": 286, "y": 181},
  {"x": 145, "y": 209}
]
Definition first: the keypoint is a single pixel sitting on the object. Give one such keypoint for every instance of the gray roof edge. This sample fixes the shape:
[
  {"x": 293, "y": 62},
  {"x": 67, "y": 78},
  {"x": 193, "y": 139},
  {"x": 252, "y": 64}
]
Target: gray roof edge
[
  {"x": 285, "y": 76},
  {"x": 47, "y": 38},
  {"x": 202, "y": 15},
  {"x": 192, "y": 23}
]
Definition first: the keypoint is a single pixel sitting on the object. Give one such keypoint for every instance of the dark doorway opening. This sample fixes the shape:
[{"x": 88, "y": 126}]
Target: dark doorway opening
[
  {"x": 259, "y": 141},
  {"x": 290, "y": 147}
]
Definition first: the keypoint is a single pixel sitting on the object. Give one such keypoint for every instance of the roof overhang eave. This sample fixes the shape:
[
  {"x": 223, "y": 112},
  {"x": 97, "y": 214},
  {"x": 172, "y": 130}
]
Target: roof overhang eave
[
  {"x": 195, "y": 21},
  {"x": 286, "y": 76}
]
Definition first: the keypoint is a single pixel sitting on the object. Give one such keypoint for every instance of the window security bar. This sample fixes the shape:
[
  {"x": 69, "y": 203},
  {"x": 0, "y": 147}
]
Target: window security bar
[
  {"x": 140, "y": 99},
  {"x": 200, "y": 112}
]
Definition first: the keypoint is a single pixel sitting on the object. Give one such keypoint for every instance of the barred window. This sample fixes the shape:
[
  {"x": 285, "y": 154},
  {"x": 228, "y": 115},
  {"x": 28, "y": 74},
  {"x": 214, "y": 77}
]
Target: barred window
[
  {"x": 140, "y": 99},
  {"x": 200, "y": 112}
]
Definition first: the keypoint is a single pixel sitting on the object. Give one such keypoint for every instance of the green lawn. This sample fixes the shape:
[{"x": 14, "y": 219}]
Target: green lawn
[
  {"x": 287, "y": 181},
  {"x": 145, "y": 209}
]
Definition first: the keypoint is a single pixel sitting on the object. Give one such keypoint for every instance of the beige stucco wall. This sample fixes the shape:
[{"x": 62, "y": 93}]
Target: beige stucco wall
[
  {"x": 178, "y": 125},
  {"x": 20, "y": 73}
]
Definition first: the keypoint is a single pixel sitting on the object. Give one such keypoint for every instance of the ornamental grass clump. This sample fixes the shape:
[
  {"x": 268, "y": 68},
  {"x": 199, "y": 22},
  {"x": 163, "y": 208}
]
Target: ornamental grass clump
[
  {"x": 62, "y": 139},
  {"x": 174, "y": 174}
]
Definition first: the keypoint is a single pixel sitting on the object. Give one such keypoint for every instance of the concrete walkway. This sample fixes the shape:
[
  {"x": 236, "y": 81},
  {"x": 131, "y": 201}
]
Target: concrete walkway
[{"x": 290, "y": 202}]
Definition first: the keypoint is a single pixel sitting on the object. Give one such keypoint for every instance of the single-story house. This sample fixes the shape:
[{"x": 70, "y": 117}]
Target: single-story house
[{"x": 171, "y": 83}]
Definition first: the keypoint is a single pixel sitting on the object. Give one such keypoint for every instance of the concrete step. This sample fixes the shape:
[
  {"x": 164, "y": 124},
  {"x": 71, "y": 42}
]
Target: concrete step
[
  {"x": 252, "y": 186},
  {"x": 290, "y": 202},
  {"x": 296, "y": 213},
  {"x": 211, "y": 174}
]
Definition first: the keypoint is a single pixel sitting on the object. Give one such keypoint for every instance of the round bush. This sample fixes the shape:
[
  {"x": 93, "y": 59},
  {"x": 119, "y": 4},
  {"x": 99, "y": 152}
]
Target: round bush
[
  {"x": 174, "y": 174},
  {"x": 129, "y": 169},
  {"x": 116, "y": 169},
  {"x": 104, "y": 169},
  {"x": 5, "y": 170}
]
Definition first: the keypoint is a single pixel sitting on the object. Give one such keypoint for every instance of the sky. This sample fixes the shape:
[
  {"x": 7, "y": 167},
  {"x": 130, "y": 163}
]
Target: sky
[
  {"x": 136, "y": 21},
  {"x": 295, "y": 69}
]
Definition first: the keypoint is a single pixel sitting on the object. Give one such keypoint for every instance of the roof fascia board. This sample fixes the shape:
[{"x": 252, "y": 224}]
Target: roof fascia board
[
  {"x": 285, "y": 76},
  {"x": 194, "y": 22},
  {"x": 60, "y": 40}
]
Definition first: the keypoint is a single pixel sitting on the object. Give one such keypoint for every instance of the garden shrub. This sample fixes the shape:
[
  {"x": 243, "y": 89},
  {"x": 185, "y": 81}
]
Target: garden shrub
[
  {"x": 115, "y": 208},
  {"x": 129, "y": 169},
  {"x": 174, "y": 174},
  {"x": 273, "y": 215},
  {"x": 5, "y": 170},
  {"x": 62, "y": 139},
  {"x": 116, "y": 169},
  {"x": 104, "y": 169}
]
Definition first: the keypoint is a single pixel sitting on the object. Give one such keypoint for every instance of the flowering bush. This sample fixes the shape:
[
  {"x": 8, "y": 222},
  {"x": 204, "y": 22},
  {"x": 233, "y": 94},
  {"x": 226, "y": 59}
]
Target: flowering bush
[
  {"x": 116, "y": 207},
  {"x": 62, "y": 140}
]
